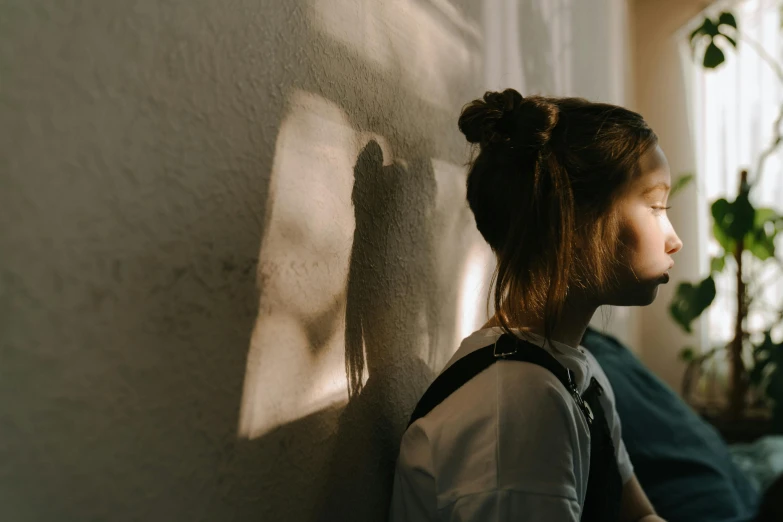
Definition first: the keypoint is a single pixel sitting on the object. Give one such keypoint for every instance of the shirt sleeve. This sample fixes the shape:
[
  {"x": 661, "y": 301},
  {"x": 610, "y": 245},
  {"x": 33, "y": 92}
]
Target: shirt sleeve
[
  {"x": 520, "y": 454},
  {"x": 414, "y": 494},
  {"x": 613, "y": 419},
  {"x": 511, "y": 506}
]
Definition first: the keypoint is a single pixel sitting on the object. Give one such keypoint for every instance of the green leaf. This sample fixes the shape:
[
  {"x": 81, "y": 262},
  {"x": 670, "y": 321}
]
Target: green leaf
[
  {"x": 727, "y": 18},
  {"x": 690, "y": 301},
  {"x": 722, "y": 217},
  {"x": 744, "y": 216},
  {"x": 699, "y": 31},
  {"x": 728, "y": 244},
  {"x": 764, "y": 215},
  {"x": 709, "y": 28},
  {"x": 731, "y": 40},
  {"x": 680, "y": 184},
  {"x": 732, "y": 221},
  {"x": 720, "y": 208},
  {"x": 718, "y": 263},
  {"x": 760, "y": 244},
  {"x": 713, "y": 56},
  {"x": 687, "y": 354},
  {"x": 760, "y": 241}
]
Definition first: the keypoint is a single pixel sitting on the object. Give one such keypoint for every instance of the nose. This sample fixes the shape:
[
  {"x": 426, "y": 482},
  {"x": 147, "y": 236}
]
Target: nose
[{"x": 674, "y": 244}]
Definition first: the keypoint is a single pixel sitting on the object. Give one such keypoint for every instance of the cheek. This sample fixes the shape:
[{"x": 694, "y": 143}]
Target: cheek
[
  {"x": 633, "y": 232},
  {"x": 642, "y": 241}
]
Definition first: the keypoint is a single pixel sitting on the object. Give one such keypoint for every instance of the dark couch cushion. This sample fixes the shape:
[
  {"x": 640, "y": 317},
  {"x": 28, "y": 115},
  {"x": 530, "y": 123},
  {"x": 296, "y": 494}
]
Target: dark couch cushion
[{"x": 680, "y": 460}]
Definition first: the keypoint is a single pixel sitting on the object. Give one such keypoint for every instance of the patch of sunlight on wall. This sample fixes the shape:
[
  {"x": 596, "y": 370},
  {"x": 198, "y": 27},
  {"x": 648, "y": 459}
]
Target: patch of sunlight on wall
[
  {"x": 295, "y": 363},
  {"x": 424, "y": 43},
  {"x": 465, "y": 260},
  {"x": 474, "y": 286}
]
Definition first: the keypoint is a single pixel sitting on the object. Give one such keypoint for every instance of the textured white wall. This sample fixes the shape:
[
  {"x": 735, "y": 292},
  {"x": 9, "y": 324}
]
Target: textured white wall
[
  {"x": 199, "y": 199},
  {"x": 177, "y": 230}
]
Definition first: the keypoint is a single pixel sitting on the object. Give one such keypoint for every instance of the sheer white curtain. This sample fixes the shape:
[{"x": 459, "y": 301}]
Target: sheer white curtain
[{"x": 734, "y": 108}]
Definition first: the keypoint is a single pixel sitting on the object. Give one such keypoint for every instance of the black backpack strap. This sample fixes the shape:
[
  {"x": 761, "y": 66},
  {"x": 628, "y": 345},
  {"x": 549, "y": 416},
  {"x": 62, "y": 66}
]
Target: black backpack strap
[
  {"x": 604, "y": 484},
  {"x": 506, "y": 347}
]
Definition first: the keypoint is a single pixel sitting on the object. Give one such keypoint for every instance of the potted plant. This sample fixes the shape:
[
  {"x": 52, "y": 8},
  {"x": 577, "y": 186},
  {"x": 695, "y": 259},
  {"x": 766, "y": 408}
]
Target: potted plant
[{"x": 746, "y": 235}]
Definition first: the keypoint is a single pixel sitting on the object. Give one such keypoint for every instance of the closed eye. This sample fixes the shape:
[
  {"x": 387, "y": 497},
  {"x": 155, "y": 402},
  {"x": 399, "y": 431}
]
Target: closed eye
[{"x": 658, "y": 209}]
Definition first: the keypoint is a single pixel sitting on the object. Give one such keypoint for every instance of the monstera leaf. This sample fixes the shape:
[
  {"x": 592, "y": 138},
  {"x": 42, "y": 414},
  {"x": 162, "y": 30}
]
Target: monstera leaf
[{"x": 709, "y": 31}]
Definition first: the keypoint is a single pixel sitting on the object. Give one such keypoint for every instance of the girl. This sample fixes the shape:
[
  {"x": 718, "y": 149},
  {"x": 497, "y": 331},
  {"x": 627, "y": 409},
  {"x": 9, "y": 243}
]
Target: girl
[{"x": 571, "y": 196}]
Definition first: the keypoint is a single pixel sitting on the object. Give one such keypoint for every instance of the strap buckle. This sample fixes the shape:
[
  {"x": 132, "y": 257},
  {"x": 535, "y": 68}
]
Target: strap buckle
[
  {"x": 579, "y": 400},
  {"x": 502, "y": 354}
]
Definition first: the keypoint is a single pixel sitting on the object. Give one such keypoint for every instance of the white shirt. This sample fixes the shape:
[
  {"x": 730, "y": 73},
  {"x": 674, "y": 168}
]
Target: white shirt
[{"x": 510, "y": 444}]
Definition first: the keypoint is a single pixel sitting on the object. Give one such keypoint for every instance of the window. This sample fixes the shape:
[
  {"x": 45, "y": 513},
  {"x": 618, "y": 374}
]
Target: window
[{"x": 733, "y": 115}]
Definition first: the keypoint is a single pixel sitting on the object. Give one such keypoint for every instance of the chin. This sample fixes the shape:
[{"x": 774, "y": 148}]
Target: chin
[{"x": 639, "y": 297}]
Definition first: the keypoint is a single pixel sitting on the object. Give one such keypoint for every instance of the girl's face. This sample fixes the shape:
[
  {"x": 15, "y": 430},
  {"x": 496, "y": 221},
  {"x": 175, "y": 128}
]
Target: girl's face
[{"x": 645, "y": 231}]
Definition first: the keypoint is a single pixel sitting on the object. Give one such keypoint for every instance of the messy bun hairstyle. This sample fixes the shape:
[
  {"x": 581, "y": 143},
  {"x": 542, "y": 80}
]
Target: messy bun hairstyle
[{"x": 543, "y": 188}]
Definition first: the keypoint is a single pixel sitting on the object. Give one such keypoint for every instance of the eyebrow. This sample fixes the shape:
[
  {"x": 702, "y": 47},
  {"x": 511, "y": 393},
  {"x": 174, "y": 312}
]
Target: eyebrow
[{"x": 662, "y": 185}]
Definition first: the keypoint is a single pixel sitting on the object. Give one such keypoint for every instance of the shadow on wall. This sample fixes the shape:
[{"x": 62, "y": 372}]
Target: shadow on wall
[
  {"x": 356, "y": 222},
  {"x": 384, "y": 327}
]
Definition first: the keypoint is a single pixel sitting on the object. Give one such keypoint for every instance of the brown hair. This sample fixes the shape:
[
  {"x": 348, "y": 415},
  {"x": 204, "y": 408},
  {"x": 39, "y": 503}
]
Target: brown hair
[{"x": 542, "y": 189}]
